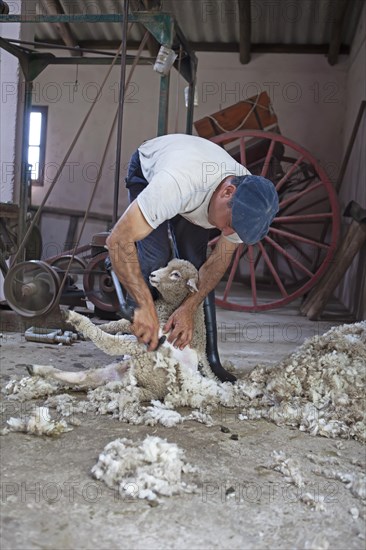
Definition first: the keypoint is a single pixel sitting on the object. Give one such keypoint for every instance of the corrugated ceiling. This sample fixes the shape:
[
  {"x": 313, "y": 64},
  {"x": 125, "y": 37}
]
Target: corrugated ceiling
[{"x": 305, "y": 22}]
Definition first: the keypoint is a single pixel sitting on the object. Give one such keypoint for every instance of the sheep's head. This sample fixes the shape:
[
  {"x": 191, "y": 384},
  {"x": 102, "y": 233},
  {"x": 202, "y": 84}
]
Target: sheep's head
[{"x": 175, "y": 280}]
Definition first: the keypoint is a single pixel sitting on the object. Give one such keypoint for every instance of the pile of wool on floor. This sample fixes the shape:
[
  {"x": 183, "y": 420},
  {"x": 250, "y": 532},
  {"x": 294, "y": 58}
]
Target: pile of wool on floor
[
  {"x": 39, "y": 422},
  {"x": 144, "y": 470},
  {"x": 320, "y": 389}
]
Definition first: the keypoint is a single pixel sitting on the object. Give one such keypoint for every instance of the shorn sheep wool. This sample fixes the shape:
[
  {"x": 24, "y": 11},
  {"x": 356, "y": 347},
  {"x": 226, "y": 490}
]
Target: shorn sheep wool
[
  {"x": 39, "y": 422},
  {"x": 320, "y": 389},
  {"x": 144, "y": 470}
]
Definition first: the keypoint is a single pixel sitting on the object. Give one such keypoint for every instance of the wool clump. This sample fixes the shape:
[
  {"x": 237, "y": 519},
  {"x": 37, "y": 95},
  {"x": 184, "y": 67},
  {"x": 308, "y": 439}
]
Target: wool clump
[{"x": 144, "y": 470}]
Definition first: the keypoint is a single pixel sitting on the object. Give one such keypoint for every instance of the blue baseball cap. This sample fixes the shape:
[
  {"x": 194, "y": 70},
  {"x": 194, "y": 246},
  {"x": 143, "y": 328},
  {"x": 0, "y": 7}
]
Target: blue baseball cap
[{"x": 254, "y": 205}]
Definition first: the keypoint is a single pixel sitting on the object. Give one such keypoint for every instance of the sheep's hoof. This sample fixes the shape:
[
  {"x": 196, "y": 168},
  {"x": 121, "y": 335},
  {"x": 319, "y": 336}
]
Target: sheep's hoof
[{"x": 30, "y": 370}]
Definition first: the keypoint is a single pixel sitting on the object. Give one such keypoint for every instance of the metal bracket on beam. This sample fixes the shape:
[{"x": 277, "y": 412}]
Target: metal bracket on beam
[
  {"x": 32, "y": 64},
  {"x": 159, "y": 24},
  {"x": 161, "y": 27}
]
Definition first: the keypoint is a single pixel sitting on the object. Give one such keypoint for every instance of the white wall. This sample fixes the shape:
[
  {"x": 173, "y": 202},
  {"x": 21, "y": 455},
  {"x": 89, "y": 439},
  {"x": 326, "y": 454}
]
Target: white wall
[
  {"x": 307, "y": 94},
  {"x": 9, "y": 78},
  {"x": 308, "y": 97},
  {"x": 11, "y": 105},
  {"x": 67, "y": 107}
]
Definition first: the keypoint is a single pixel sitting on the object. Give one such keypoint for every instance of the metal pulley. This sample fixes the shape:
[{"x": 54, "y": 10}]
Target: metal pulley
[
  {"x": 31, "y": 288},
  {"x": 98, "y": 284},
  {"x": 75, "y": 270},
  {"x": 4, "y": 8}
]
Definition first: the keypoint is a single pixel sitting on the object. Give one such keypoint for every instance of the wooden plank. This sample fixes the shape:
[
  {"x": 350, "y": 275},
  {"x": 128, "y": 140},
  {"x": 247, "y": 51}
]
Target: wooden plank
[
  {"x": 351, "y": 245},
  {"x": 205, "y": 128},
  {"x": 9, "y": 210},
  {"x": 239, "y": 116}
]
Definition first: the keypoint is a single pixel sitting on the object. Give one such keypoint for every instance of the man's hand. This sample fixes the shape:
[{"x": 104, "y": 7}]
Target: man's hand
[
  {"x": 146, "y": 326},
  {"x": 180, "y": 324},
  {"x": 130, "y": 228}
]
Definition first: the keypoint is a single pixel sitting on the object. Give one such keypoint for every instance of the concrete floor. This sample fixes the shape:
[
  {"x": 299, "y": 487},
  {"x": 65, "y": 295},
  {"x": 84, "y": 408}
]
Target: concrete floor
[{"x": 50, "y": 500}]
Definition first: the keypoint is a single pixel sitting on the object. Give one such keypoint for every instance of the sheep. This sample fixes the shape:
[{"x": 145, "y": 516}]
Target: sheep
[
  {"x": 174, "y": 282},
  {"x": 319, "y": 388}
]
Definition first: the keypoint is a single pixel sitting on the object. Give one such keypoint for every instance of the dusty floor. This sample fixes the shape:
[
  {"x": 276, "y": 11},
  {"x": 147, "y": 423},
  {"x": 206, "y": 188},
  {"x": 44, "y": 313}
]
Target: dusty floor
[{"x": 50, "y": 501}]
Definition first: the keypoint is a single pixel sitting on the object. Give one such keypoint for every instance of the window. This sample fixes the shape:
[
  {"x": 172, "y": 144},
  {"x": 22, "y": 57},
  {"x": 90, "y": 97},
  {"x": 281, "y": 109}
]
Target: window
[{"x": 37, "y": 144}]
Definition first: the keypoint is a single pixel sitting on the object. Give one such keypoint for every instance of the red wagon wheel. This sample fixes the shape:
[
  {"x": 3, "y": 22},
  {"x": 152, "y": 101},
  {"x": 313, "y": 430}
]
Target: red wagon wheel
[{"x": 303, "y": 236}]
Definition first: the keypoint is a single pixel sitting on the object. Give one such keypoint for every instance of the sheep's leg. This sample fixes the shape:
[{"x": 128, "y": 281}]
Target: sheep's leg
[
  {"x": 47, "y": 371},
  {"x": 112, "y": 345},
  {"x": 90, "y": 379},
  {"x": 113, "y": 327}
]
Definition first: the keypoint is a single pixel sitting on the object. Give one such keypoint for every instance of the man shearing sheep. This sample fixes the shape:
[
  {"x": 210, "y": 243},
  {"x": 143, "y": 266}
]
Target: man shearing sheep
[{"x": 180, "y": 186}]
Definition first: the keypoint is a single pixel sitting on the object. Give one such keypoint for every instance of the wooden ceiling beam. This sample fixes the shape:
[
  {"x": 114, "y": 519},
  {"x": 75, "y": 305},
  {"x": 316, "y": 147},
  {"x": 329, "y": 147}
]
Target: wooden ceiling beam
[
  {"x": 53, "y": 7},
  {"x": 339, "y": 12},
  {"x": 245, "y": 31},
  {"x": 228, "y": 47}
]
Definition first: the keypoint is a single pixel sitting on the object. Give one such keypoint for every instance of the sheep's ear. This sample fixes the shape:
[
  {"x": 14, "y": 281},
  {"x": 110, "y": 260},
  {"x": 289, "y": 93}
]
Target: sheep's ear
[{"x": 192, "y": 285}]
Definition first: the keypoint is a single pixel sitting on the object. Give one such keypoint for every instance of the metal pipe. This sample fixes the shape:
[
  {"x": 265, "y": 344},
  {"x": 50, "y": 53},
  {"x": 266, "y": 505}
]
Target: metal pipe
[
  {"x": 24, "y": 177},
  {"x": 163, "y": 104},
  {"x": 191, "y": 93},
  {"x": 49, "y": 45},
  {"x": 190, "y": 107},
  {"x": 120, "y": 110}
]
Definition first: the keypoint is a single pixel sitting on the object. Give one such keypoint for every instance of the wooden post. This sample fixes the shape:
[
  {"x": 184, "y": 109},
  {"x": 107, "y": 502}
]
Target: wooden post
[{"x": 352, "y": 243}]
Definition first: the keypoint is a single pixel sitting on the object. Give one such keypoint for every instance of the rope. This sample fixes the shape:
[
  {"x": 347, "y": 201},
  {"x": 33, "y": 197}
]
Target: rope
[
  {"x": 255, "y": 104},
  {"x": 87, "y": 208},
  {"x": 99, "y": 175},
  {"x": 69, "y": 151}
]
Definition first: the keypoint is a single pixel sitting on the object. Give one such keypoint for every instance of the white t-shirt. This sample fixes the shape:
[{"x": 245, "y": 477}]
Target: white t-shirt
[{"x": 183, "y": 171}]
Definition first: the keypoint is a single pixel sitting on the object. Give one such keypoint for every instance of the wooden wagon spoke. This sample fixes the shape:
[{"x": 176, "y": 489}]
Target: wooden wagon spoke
[
  {"x": 310, "y": 205},
  {"x": 299, "y": 250},
  {"x": 243, "y": 154},
  {"x": 304, "y": 218},
  {"x": 289, "y": 173},
  {"x": 289, "y": 256},
  {"x": 297, "y": 237},
  {"x": 257, "y": 259},
  {"x": 291, "y": 268},
  {"x": 273, "y": 270},
  {"x": 268, "y": 158}
]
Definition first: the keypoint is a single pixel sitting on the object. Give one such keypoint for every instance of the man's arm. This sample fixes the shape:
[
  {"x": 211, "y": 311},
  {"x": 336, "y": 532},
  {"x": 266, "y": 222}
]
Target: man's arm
[
  {"x": 181, "y": 322},
  {"x": 130, "y": 228}
]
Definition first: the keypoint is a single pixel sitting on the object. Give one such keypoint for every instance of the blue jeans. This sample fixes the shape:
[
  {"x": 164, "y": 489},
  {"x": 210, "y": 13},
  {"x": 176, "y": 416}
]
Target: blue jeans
[{"x": 188, "y": 241}]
